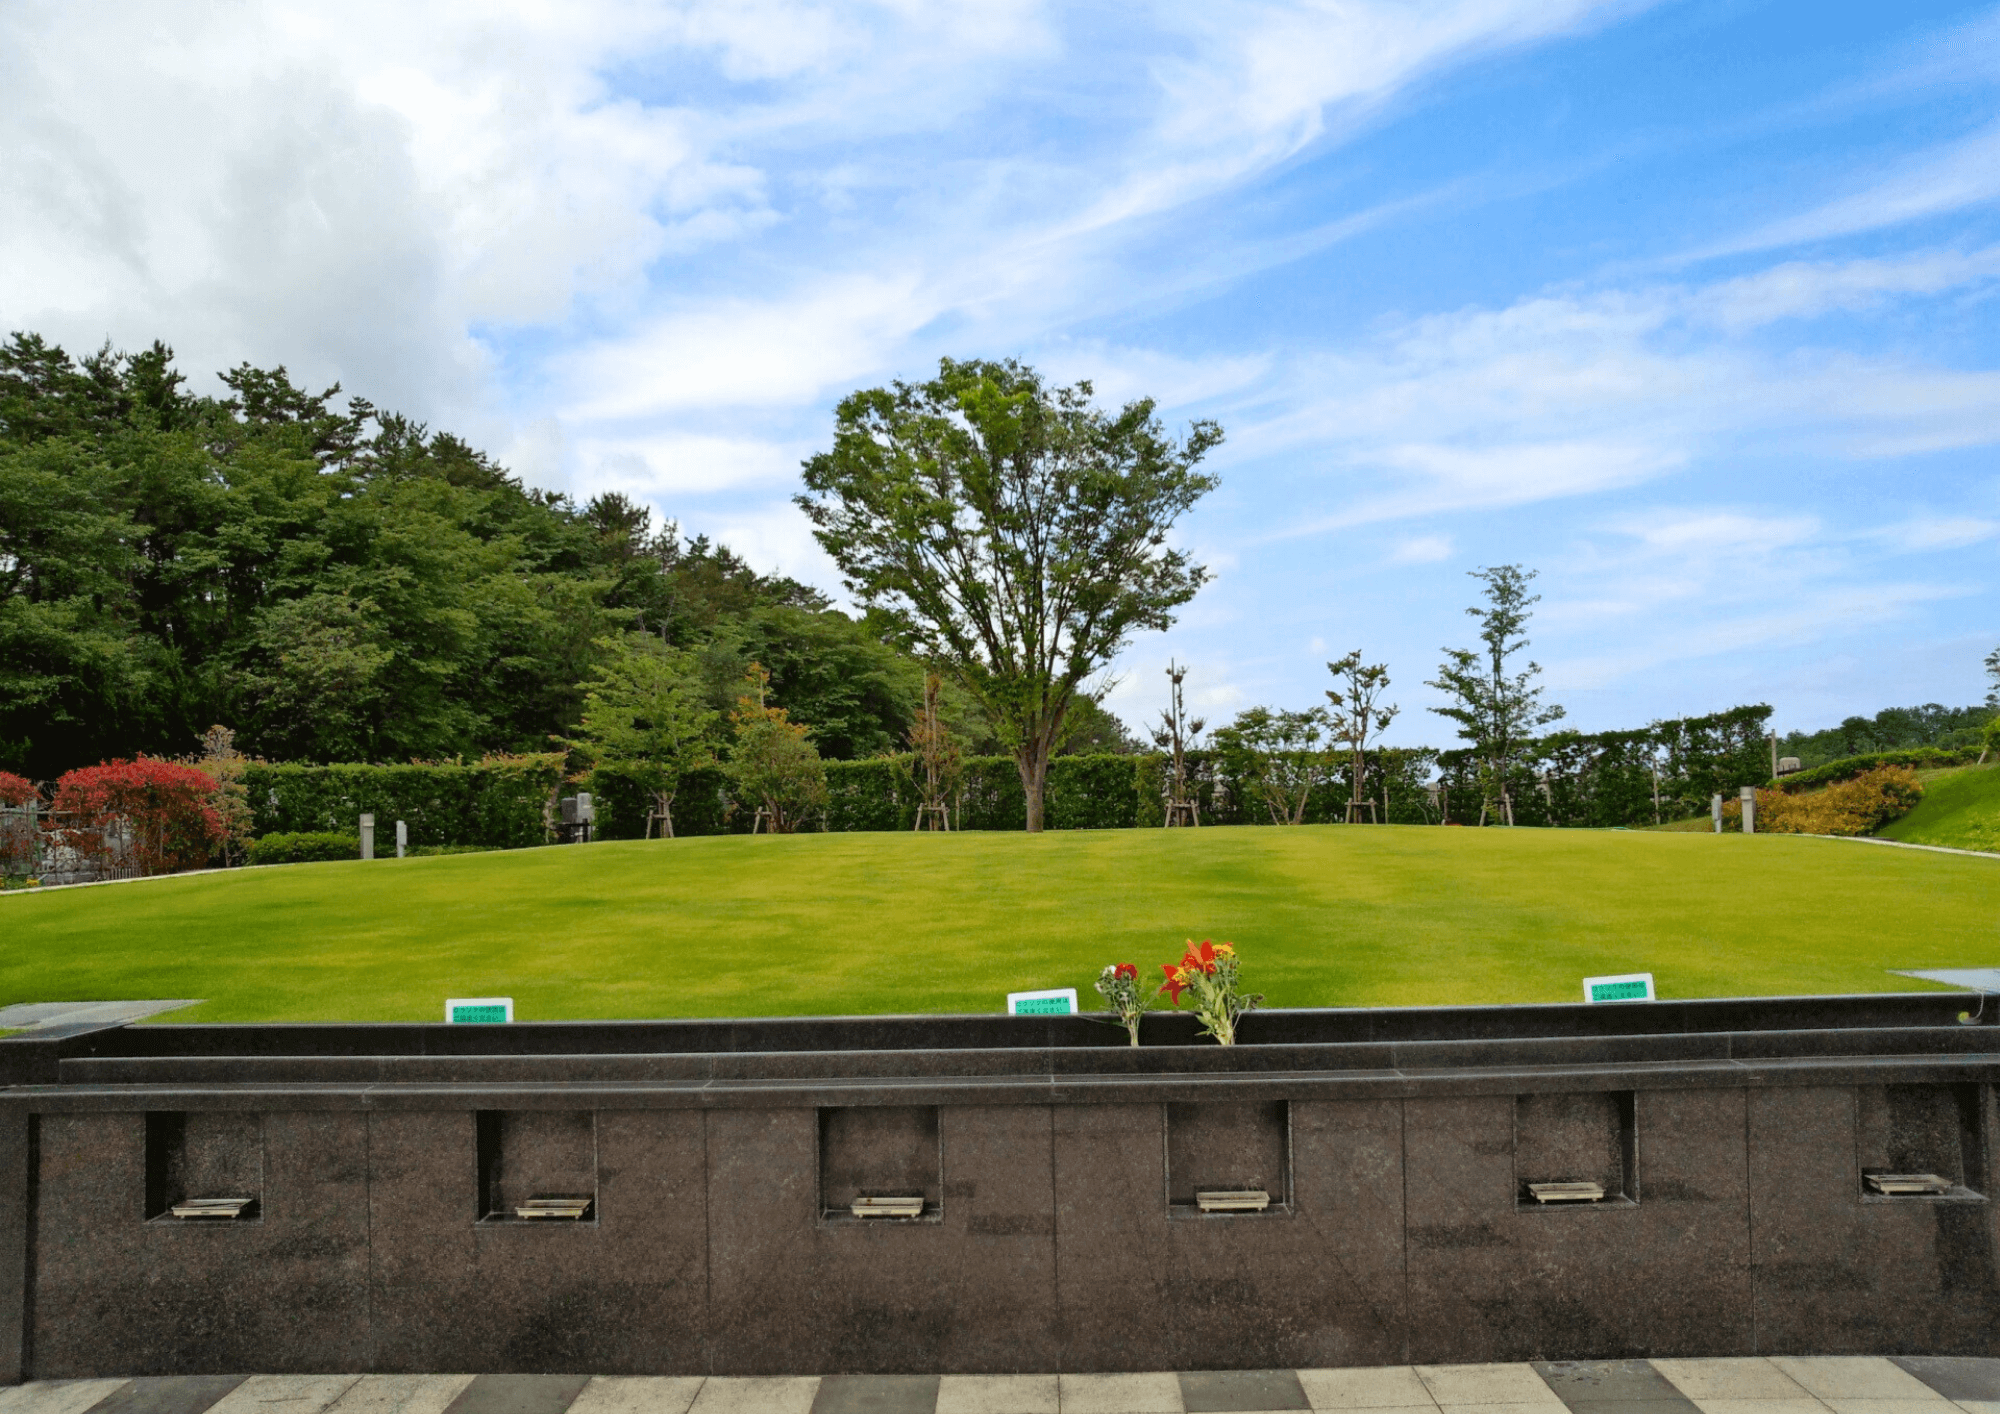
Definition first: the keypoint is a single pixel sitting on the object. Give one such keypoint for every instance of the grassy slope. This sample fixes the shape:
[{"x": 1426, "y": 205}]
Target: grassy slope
[
  {"x": 884, "y": 923},
  {"x": 1960, "y": 808}
]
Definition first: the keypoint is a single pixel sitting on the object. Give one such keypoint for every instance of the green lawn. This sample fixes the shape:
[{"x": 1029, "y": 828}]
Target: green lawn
[
  {"x": 1960, "y": 808},
  {"x": 852, "y": 923}
]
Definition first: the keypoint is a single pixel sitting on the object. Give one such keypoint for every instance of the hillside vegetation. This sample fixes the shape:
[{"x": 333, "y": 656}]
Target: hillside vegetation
[{"x": 860, "y": 923}]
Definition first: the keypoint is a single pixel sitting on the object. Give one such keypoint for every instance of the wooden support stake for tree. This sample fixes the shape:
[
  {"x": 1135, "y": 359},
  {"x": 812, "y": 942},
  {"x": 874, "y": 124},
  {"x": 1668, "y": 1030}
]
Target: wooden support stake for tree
[{"x": 1177, "y": 732}]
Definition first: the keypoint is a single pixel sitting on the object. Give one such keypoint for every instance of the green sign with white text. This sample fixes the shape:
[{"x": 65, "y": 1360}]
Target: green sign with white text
[
  {"x": 478, "y": 1011},
  {"x": 1057, "y": 1001},
  {"x": 1632, "y": 987}
]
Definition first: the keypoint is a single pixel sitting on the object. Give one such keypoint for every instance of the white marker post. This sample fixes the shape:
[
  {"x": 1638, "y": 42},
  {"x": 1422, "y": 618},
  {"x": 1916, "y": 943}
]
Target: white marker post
[
  {"x": 1715, "y": 809},
  {"x": 367, "y": 836},
  {"x": 1627, "y": 987},
  {"x": 1749, "y": 810},
  {"x": 1057, "y": 1001},
  {"x": 402, "y": 838},
  {"x": 478, "y": 1011}
]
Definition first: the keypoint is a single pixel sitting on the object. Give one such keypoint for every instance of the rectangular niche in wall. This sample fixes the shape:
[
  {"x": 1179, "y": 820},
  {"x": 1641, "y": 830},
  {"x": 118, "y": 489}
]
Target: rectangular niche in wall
[
  {"x": 1910, "y": 1130},
  {"x": 1570, "y": 1139},
  {"x": 881, "y": 1152},
  {"x": 1218, "y": 1147},
  {"x": 537, "y": 1166},
  {"x": 197, "y": 1159}
]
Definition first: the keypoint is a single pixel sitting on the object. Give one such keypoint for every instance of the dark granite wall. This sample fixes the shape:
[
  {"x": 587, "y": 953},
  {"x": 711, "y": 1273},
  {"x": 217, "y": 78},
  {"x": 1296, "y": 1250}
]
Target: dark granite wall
[{"x": 1059, "y": 1231}]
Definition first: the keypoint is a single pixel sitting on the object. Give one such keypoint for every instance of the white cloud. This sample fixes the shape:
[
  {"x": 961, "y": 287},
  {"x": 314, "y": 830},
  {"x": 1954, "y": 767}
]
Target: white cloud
[
  {"x": 1566, "y": 395},
  {"x": 1804, "y": 290},
  {"x": 777, "y": 538},
  {"x": 1940, "y": 532},
  {"x": 1421, "y": 550},
  {"x": 364, "y": 193},
  {"x": 677, "y": 464}
]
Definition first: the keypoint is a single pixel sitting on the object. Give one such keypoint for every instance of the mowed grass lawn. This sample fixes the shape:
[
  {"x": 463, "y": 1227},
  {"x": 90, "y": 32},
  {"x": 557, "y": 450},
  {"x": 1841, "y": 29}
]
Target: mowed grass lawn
[{"x": 875, "y": 923}]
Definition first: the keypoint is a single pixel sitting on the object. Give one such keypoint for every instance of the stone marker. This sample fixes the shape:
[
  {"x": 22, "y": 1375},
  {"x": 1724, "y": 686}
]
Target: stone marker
[{"x": 367, "y": 836}]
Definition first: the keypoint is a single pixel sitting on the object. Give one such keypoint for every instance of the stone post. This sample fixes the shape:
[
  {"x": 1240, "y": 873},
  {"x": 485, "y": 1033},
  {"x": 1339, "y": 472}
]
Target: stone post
[
  {"x": 1715, "y": 809},
  {"x": 367, "y": 836},
  {"x": 1749, "y": 810},
  {"x": 402, "y": 839}
]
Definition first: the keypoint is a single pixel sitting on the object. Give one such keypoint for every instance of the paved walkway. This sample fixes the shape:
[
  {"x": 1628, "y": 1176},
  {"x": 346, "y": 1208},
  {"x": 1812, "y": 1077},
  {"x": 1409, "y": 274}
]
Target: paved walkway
[
  {"x": 37, "y": 1016},
  {"x": 1775, "y": 1385}
]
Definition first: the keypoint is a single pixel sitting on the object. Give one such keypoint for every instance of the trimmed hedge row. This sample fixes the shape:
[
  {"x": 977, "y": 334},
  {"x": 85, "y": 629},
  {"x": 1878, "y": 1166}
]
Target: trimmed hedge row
[
  {"x": 1846, "y": 769},
  {"x": 504, "y": 803},
  {"x": 1082, "y": 793}
]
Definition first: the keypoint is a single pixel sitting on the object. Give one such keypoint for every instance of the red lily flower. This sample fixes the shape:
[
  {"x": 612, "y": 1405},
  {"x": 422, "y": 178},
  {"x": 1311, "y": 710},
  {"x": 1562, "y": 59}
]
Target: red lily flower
[
  {"x": 1176, "y": 982},
  {"x": 1126, "y": 972}
]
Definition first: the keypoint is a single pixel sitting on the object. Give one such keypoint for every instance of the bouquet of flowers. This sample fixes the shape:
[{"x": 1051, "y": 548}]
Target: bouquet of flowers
[
  {"x": 1119, "y": 985},
  {"x": 1208, "y": 971}
]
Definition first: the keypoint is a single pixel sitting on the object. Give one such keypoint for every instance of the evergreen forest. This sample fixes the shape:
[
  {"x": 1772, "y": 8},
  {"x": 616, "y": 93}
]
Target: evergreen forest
[{"x": 341, "y": 583}]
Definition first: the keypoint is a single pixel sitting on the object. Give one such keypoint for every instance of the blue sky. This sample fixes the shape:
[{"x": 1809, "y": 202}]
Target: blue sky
[{"x": 1689, "y": 306}]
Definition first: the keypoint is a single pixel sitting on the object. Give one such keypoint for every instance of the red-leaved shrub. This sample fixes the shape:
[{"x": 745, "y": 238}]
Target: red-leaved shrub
[
  {"x": 167, "y": 820},
  {"x": 15, "y": 790}
]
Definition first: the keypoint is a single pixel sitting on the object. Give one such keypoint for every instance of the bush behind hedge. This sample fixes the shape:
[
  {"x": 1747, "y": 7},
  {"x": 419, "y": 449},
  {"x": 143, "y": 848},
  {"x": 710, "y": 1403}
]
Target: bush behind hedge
[
  {"x": 1847, "y": 768},
  {"x": 303, "y": 847}
]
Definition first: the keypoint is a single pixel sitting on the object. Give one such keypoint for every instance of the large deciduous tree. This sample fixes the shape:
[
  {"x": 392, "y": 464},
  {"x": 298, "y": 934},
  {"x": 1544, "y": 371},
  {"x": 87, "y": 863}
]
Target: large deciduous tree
[
  {"x": 1498, "y": 712},
  {"x": 1011, "y": 529}
]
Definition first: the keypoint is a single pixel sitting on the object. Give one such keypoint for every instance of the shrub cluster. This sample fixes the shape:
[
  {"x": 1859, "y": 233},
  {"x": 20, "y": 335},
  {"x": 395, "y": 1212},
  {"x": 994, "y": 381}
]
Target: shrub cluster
[
  {"x": 305, "y": 847},
  {"x": 502, "y": 802},
  {"x": 1859, "y": 806}
]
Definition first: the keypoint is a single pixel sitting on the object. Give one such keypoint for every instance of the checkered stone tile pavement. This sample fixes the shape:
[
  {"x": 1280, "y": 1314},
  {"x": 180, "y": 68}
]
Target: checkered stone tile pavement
[{"x": 1779, "y": 1384}]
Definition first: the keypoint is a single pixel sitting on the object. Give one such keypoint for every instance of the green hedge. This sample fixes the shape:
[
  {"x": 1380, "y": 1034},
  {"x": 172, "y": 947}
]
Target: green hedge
[
  {"x": 503, "y": 804},
  {"x": 1922, "y": 757},
  {"x": 1099, "y": 792},
  {"x": 310, "y": 847}
]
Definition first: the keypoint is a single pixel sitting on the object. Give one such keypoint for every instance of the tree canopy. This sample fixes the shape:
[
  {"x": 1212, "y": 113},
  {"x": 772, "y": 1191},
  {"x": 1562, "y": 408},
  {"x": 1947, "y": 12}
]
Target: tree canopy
[
  {"x": 1012, "y": 530},
  {"x": 340, "y": 583},
  {"x": 1496, "y": 710}
]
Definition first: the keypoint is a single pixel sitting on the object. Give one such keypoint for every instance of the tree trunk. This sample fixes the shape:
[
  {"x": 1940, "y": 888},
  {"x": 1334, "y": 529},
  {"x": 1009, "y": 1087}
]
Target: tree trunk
[{"x": 1033, "y": 764}]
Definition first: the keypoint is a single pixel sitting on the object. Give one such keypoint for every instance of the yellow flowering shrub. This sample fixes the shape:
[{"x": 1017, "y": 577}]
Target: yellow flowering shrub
[{"x": 1859, "y": 806}]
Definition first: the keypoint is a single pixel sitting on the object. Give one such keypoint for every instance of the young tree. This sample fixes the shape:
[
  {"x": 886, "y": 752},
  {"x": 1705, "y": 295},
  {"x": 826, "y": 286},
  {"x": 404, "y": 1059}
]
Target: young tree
[
  {"x": 644, "y": 712},
  {"x": 1356, "y": 717},
  {"x": 774, "y": 761},
  {"x": 1496, "y": 712},
  {"x": 222, "y": 763},
  {"x": 1278, "y": 757},
  {"x": 1176, "y": 733},
  {"x": 937, "y": 765},
  {"x": 1012, "y": 530}
]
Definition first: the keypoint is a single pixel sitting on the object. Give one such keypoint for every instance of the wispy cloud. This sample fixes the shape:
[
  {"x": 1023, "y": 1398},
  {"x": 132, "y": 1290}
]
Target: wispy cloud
[
  {"x": 1949, "y": 177},
  {"x": 1560, "y": 396}
]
